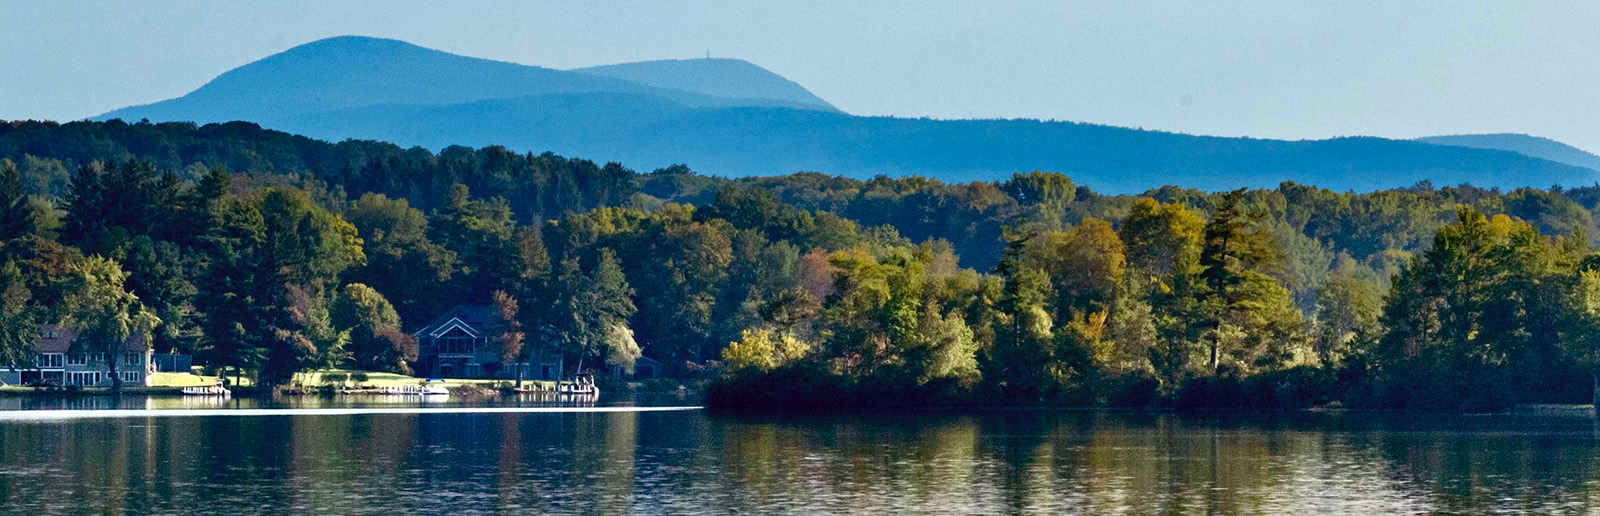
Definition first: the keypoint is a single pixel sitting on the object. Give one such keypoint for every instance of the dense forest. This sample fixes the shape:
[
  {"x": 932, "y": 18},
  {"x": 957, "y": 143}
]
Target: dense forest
[{"x": 270, "y": 253}]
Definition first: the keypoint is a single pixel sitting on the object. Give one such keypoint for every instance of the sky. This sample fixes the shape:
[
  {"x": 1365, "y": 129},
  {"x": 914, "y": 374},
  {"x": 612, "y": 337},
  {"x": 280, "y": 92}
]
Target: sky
[{"x": 1265, "y": 69}]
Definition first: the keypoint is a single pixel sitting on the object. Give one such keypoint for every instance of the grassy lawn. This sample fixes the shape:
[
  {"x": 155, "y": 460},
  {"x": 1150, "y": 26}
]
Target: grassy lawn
[
  {"x": 380, "y": 380},
  {"x": 178, "y": 380},
  {"x": 166, "y": 381},
  {"x": 194, "y": 378}
]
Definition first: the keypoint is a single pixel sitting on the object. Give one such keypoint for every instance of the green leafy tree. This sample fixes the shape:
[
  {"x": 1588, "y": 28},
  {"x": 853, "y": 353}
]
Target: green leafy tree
[
  {"x": 19, "y": 326},
  {"x": 679, "y": 274},
  {"x": 592, "y": 305},
  {"x": 508, "y": 334},
  {"x": 402, "y": 261},
  {"x": 107, "y": 317},
  {"x": 621, "y": 350},
  {"x": 952, "y": 349},
  {"x": 1348, "y": 308},
  {"x": 367, "y": 315},
  {"x": 1583, "y": 344}
]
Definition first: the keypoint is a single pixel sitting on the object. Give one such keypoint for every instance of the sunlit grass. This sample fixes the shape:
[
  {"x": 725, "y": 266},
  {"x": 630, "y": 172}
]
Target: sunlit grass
[
  {"x": 179, "y": 380},
  {"x": 378, "y": 380}
]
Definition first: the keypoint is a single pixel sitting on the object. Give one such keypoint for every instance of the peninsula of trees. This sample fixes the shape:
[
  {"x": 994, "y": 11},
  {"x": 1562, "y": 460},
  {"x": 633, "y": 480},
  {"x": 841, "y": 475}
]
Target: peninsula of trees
[{"x": 272, "y": 253}]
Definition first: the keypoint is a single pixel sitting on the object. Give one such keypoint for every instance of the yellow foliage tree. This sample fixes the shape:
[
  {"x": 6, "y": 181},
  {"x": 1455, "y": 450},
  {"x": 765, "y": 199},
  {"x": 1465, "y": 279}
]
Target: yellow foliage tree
[{"x": 762, "y": 350}]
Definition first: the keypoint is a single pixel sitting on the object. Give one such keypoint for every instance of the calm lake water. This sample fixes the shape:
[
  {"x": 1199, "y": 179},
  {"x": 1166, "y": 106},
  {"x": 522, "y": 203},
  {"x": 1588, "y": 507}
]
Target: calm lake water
[{"x": 691, "y": 462}]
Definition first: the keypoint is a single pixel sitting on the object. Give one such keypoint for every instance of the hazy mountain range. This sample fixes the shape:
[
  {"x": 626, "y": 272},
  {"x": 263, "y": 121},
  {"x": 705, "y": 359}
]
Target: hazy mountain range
[
  {"x": 730, "y": 117},
  {"x": 1534, "y": 146}
]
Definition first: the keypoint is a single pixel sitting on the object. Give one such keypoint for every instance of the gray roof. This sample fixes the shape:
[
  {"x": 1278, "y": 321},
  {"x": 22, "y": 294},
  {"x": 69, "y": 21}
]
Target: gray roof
[
  {"x": 57, "y": 338},
  {"x": 476, "y": 318}
]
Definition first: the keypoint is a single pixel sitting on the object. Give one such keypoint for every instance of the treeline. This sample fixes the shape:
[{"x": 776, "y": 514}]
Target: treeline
[{"x": 809, "y": 289}]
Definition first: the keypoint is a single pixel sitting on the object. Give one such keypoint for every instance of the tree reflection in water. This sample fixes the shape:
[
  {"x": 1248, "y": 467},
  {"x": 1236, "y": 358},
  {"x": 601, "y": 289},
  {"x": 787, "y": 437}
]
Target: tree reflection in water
[{"x": 1031, "y": 462}]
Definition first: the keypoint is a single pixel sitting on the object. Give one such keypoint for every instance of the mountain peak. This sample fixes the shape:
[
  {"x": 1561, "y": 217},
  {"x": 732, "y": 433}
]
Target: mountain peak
[
  {"x": 349, "y": 42},
  {"x": 722, "y": 77},
  {"x": 357, "y": 71}
]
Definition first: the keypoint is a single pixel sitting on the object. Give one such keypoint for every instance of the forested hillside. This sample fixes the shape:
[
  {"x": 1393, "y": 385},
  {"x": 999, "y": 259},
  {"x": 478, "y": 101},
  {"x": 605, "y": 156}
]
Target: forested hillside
[
  {"x": 1543, "y": 148},
  {"x": 276, "y": 253}
]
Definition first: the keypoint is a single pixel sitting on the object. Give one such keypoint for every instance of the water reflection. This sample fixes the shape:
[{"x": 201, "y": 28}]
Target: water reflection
[
  {"x": 1029, "y": 462},
  {"x": 142, "y": 402}
]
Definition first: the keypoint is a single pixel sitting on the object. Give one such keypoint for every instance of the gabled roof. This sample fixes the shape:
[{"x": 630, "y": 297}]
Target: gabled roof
[
  {"x": 57, "y": 338},
  {"x": 473, "y": 319}
]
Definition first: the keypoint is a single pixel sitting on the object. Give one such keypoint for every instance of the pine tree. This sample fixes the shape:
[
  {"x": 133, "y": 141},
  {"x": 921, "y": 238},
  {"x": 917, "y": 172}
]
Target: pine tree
[{"x": 16, "y": 214}]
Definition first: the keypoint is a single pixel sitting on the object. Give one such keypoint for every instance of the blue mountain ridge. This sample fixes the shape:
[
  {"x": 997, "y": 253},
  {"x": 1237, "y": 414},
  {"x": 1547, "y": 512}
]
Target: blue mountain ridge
[{"x": 732, "y": 118}]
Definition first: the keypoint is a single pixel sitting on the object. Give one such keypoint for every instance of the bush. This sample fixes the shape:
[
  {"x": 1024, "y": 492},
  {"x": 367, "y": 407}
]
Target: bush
[
  {"x": 807, "y": 386},
  {"x": 332, "y": 378},
  {"x": 659, "y": 385},
  {"x": 1435, "y": 389},
  {"x": 359, "y": 377},
  {"x": 1140, "y": 389},
  {"x": 794, "y": 386},
  {"x": 1294, "y": 388}
]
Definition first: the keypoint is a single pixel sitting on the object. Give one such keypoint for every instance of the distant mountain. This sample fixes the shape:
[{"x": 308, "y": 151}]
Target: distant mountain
[
  {"x": 734, "y": 78},
  {"x": 353, "y": 71},
  {"x": 649, "y": 132},
  {"x": 1543, "y": 148},
  {"x": 731, "y": 118}
]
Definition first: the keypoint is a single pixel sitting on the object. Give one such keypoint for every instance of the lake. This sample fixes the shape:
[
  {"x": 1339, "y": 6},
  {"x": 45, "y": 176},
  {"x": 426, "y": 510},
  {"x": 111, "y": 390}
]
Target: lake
[{"x": 692, "y": 462}]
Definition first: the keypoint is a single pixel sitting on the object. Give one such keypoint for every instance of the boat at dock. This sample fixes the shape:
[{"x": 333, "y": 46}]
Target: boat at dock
[
  {"x": 429, "y": 388},
  {"x": 213, "y": 390},
  {"x": 582, "y": 384}
]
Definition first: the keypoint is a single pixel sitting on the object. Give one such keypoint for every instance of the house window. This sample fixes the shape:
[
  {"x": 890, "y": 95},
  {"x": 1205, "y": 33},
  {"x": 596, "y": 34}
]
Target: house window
[
  {"x": 130, "y": 376},
  {"x": 83, "y": 378},
  {"x": 456, "y": 345},
  {"x": 131, "y": 359},
  {"x": 48, "y": 360},
  {"x": 77, "y": 359}
]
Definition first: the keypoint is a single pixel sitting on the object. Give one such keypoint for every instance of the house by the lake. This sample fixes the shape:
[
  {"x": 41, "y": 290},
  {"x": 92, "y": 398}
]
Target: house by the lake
[
  {"x": 644, "y": 368},
  {"x": 460, "y": 344},
  {"x": 55, "y": 360}
]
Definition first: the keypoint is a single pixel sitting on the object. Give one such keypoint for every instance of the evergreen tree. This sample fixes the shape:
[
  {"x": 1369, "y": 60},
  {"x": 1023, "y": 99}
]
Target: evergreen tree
[
  {"x": 594, "y": 306},
  {"x": 16, "y": 213},
  {"x": 1249, "y": 313}
]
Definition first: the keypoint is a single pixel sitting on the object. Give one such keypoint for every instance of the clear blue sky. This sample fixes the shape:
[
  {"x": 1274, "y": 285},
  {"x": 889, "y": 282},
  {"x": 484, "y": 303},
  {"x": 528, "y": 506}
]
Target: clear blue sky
[{"x": 1264, "y": 68}]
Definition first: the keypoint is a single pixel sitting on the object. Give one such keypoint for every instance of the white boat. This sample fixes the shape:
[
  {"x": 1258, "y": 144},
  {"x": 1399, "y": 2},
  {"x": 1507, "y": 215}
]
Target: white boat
[
  {"x": 426, "y": 389},
  {"x": 581, "y": 384},
  {"x": 214, "y": 390}
]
